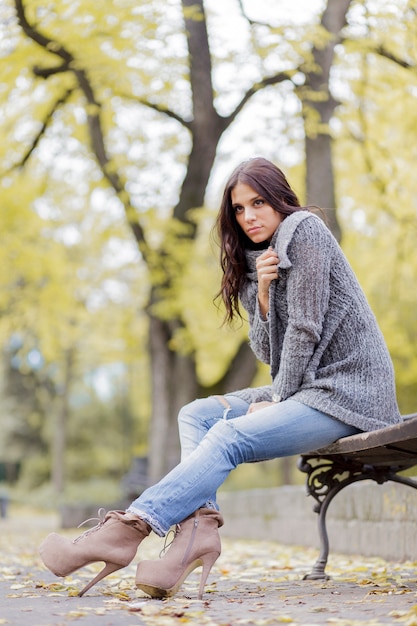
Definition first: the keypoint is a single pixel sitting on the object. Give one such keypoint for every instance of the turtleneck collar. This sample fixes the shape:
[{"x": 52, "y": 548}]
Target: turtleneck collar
[
  {"x": 252, "y": 255},
  {"x": 286, "y": 232}
]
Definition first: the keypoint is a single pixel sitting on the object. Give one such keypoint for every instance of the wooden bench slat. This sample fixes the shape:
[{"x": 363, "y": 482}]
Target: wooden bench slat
[{"x": 399, "y": 435}]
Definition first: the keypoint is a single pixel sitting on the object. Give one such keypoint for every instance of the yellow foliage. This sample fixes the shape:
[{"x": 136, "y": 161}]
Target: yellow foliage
[
  {"x": 134, "y": 53},
  {"x": 378, "y": 205}
]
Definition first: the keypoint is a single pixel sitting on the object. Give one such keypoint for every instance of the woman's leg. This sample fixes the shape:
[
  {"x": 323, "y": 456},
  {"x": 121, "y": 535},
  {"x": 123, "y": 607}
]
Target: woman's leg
[
  {"x": 196, "y": 418},
  {"x": 283, "y": 429}
]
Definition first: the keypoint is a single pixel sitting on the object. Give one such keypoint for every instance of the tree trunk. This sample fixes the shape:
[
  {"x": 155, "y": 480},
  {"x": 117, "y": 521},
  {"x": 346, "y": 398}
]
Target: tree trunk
[
  {"x": 60, "y": 427},
  {"x": 318, "y": 111},
  {"x": 174, "y": 384},
  {"x": 174, "y": 377}
]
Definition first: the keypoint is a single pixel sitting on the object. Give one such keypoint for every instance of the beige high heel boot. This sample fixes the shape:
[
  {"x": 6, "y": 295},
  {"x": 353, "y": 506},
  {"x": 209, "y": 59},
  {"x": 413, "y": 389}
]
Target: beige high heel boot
[
  {"x": 114, "y": 540},
  {"x": 196, "y": 542}
]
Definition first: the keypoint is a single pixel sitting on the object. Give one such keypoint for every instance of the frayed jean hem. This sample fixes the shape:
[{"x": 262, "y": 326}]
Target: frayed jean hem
[
  {"x": 151, "y": 521},
  {"x": 154, "y": 524}
]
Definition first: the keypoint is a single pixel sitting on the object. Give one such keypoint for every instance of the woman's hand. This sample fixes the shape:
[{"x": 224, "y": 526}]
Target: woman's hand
[
  {"x": 267, "y": 270},
  {"x": 257, "y": 406}
]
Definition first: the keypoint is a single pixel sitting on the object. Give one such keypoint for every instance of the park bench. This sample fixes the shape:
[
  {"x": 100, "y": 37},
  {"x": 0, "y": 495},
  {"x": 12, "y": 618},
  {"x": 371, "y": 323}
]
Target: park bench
[{"x": 380, "y": 455}]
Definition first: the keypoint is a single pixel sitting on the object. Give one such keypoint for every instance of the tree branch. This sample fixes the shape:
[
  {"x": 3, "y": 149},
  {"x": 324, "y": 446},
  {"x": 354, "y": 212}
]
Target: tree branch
[
  {"x": 265, "y": 82},
  {"x": 43, "y": 128},
  {"x": 382, "y": 51},
  {"x": 165, "y": 111},
  {"x": 249, "y": 20},
  {"x": 157, "y": 107},
  {"x": 93, "y": 118},
  {"x": 45, "y": 72},
  {"x": 99, "y": 149},
  {"x": 42, "y": 40}
]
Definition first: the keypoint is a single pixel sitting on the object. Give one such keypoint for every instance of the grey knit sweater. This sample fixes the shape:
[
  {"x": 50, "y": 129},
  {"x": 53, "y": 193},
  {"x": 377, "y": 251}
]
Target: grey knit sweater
[{"x": 321, "y": 339}]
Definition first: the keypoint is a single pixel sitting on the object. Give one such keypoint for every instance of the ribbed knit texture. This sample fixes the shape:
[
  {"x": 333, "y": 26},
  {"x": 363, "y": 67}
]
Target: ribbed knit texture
[{"x": 321, "y": 338}]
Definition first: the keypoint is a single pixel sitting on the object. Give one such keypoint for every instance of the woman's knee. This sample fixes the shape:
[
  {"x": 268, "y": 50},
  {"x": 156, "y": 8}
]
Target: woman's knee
[
  {"x": 194, "y": 412},
  {"x": 224, "y": 439}
]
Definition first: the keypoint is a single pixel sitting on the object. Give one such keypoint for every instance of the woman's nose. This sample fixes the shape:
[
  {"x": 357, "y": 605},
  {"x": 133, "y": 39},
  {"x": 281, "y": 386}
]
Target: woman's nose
[{"x": 249, "y": 214}]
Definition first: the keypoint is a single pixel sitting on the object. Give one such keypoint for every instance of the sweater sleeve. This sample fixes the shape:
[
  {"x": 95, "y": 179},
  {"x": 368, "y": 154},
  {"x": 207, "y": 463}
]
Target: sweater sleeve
[
  {"x": 259, "y": 335},
  {"x": 308, "y": 292},
  {"x": 258, "y": 326},
  {"x": 253, "y": 394}
]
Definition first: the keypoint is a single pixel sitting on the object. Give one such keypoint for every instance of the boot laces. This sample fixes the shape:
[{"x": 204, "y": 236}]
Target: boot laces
[
  {"x": 171, "y": 534},
  {"x": 100, "y": 519},
  {"x": 175, "y": 533}
]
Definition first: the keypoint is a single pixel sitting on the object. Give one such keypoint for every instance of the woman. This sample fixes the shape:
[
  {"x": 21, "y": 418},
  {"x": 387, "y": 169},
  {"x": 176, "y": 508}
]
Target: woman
[{"x": 331, "y": 377}]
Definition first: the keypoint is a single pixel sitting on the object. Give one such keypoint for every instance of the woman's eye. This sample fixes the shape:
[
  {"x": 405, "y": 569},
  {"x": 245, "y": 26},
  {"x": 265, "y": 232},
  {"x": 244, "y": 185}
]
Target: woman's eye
[
  {"x": 238, "y": 209},
  {"x": 259, "y": 202}
]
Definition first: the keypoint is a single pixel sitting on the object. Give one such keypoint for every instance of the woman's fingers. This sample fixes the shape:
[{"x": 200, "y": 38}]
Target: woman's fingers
[
  {"x": 267, "y": 270},
  {"x": 269, "y": 258},
  {"x": 267, "y": 266}
]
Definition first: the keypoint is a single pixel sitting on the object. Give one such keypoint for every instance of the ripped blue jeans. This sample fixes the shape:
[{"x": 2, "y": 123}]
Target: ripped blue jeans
[{"x": 215, "y": 440}]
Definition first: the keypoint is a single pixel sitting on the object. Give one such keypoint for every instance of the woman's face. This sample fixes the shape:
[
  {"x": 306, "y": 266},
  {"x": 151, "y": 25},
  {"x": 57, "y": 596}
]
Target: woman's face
[{"x": 255, "y": 216}]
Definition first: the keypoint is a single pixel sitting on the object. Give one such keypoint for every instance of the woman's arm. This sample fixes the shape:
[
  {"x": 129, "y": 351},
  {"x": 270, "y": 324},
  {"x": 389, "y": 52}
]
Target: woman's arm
[
  {"x": 267, "y": 271},
  {"x": 308, "y": 292},
  {"x": 256, "y": 300},
  {"x": 258, "y": 326}
]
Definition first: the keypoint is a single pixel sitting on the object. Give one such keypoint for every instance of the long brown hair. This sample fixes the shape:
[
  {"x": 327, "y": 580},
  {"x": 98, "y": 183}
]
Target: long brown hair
[{"x": 270, "y": 183}]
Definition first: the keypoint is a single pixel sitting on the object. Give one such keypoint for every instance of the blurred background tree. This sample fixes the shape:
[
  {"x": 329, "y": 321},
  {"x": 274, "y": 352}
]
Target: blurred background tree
[{"x": 119, "y": 124}]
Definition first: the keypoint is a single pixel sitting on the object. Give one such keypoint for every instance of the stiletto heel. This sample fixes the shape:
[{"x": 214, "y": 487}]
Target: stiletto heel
[
  {"x": 114, "y": 541},
  {"x": 109, "y": 568},
  {"x": 196, "y": 542},
  {"x": 208, "y": 562}
]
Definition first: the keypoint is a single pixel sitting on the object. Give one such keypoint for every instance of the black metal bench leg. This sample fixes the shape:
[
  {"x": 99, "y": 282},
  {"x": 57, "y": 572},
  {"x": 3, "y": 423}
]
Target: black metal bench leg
[
  {"x": 324, "y": 482},
  {"x": 332, "y": 481},
  {"x": 318, "y": 571}
]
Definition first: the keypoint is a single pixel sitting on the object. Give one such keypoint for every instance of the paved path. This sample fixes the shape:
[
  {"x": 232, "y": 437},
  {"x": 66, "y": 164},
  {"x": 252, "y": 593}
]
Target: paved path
[{"x": 253, "y": 583}]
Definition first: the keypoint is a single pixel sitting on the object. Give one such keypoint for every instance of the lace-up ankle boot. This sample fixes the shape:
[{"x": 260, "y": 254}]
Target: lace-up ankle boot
[
  {"x": 114, "y": 541},
  {"x": 196, "y": 542}
]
